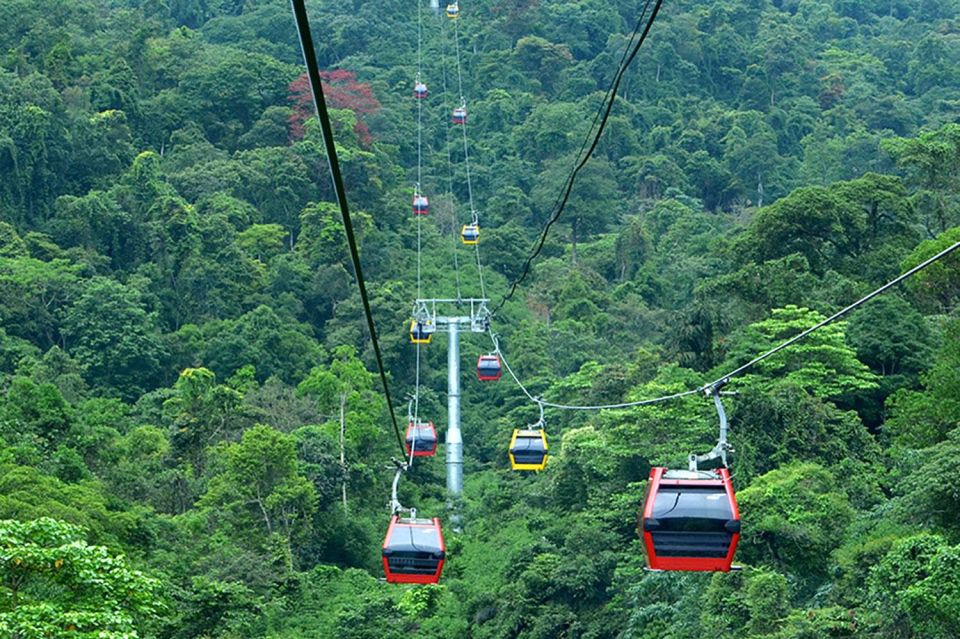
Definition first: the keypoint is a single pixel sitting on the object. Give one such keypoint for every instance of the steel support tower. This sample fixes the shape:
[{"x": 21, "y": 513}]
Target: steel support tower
[{"x": 476, "y": 321}]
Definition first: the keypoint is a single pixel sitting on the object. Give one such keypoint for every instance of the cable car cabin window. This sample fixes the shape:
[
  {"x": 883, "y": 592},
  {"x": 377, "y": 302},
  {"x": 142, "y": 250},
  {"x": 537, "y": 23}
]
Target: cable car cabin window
[{"x": 692, "y": 508}]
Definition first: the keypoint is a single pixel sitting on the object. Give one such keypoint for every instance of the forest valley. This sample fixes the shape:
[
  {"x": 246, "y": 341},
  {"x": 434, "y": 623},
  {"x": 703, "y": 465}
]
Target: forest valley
[{"x": 180, "y": 324}]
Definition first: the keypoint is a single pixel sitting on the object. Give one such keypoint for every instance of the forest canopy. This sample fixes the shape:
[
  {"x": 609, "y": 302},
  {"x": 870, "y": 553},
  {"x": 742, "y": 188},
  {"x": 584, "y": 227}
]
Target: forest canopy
[{"x": 194, "y": 443}]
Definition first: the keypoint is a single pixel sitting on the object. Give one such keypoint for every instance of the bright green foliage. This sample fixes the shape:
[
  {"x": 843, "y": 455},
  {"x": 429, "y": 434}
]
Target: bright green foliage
[
  {"x": 899, "y": 600},
  {"x": 795, "y": 518},
  {"x": 201, "y": 413},
  {"x": 347, "y": 379},
  {"x": 926, "y": 498},
  {"x": 822, "y": 364},
  {"x": 33, "y": 293},
  {"x": 257, "y": 490},
  {"x": 55, "y": 584}
]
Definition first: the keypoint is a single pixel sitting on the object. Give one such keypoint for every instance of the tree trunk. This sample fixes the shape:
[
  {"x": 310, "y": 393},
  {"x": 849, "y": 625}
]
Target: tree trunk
[{"x": 343, "y": 458}]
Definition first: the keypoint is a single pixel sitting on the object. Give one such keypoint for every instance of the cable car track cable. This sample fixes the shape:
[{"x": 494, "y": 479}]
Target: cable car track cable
[
  {"x": 419, "y": 151},
  {"x": 466, "y": 154},
  {"x": 446, "y": 132},
  {"x": 582, "y": 161},
  {"x": 722, "y": 380},
  {"x": 320, "y": 105}
]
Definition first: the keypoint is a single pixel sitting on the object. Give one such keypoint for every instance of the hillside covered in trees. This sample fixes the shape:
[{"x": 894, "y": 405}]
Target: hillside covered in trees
[{"x": 180, "y": 326}]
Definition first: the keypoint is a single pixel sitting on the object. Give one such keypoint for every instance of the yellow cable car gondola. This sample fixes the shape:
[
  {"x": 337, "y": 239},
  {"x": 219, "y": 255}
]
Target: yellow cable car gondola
[
  {"x": 470, "y": 234},
  {"x": 453, "y": 10},
  {"x": 421, "y": 331},
  {"x": 528, "y": 449}
]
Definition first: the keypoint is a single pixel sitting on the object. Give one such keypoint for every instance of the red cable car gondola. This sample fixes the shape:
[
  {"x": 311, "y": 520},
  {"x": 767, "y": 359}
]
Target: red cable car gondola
[
  {"x": 489, "y": 368},
  {"x": 419, "y": 90},
  {"x": 459, "y": 115},
  {"x": 422, "y": 437},
  {"x": 421, "y": 205},
  {"x": 690, "y": 520},
  {"x": 413, "y": 551}
]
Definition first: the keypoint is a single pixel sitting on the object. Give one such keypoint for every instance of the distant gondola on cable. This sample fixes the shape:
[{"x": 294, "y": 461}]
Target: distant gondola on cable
[
  {"x": 421, "y": 439},
  {"x": 459, "y": 115},
  {"x": 690, "y": 520},
  {"x": 470, "y": 234},
  {"x": 421, "y": 205},
  {"x": 453, "y": 11},
  {"x": 489, "y": 368},
  {"x": 413, "y": 551},
  {"x": 528, "y": 449},
  {"x": 419, "y": 90},
  {"x": 421, "y": 331}
]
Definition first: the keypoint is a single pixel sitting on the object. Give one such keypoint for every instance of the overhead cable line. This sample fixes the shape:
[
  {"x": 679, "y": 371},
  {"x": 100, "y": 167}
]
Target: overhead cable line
[
  {"x": 416, "y": 387},
  {"x": 446, "y": 132},
  {"x": 720, "y": 381},
  {"x": 419, "y": 147},
  {"x": 316, "y": 89},
  {"x": 602, "y": 106},
  {"x": 558, "y": 210},
  {"x": 466, "y": 155},
  {"x": 711, "y": 387}
]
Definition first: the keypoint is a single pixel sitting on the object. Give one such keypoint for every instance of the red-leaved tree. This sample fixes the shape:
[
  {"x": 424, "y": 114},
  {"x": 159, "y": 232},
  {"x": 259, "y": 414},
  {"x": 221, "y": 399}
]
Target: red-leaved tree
[{"x": 341, "y": 91}]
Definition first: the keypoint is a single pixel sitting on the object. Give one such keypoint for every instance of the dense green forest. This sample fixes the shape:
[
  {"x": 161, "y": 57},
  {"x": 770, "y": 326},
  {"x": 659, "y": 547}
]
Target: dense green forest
[{"x": 179, "y": 320}]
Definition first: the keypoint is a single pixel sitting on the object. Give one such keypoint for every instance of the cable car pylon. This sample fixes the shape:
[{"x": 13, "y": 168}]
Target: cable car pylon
[{"x": 475, "y": 318}]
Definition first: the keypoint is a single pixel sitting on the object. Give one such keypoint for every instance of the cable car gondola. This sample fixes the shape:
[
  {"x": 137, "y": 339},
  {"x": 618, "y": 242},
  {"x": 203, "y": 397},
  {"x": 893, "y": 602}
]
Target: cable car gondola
[
  {"x": 421, "y": 205},
  {"x": 421, "y": 331},
  {"x": 413, "y": 551},
  {"x": 422, "y": 438},
  {"x": 690, "y": 520},
  {"x": 459, "y": 115},
  {"x": 528, "y": 449},
  {"x": 419, "y": 90},
  {"x": 470, "y": 234},
  {"x": 489, "y": 368},
  {"x": 453, "y": 11}
]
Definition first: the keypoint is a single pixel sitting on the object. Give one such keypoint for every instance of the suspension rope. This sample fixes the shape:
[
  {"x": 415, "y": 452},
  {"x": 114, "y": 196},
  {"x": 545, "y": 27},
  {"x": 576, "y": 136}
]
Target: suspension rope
[
  {"x": 466, "y": 156},
  {"x": 316, "y": 89},
  {"x": 446, "y": 132},
  {"x": 419, "y": 148},
  {"x": 558, "y": 210},
  {"x": 712, "y": 387},
  {"x": 463, "y": 127}
]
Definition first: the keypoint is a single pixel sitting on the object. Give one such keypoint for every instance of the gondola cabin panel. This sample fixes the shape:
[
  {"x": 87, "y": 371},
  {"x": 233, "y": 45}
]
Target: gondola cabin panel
[
  {"x": 413, "y": 551},
  {"x": 690, "y": 520}
]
